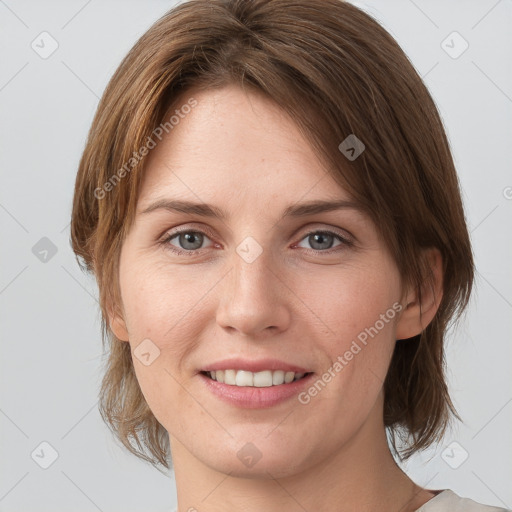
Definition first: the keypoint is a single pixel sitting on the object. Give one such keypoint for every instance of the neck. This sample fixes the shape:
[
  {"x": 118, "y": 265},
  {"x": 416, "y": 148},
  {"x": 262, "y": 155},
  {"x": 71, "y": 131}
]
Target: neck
[{"x": 361, "y": 475}]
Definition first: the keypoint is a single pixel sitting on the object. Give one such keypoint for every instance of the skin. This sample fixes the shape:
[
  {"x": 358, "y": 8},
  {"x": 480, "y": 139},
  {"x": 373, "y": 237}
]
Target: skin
[{"x": 299, "y": 302}]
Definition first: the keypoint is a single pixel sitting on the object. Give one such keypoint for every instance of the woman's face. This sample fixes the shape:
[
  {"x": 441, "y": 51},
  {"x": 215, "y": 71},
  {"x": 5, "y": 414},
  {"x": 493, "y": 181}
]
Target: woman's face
[{"x": 269, "y": 286}]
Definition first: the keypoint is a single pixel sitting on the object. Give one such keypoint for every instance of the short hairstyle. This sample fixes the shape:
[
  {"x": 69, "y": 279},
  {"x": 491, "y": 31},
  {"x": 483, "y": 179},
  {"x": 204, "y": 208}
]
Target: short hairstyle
[{"x": 336, "y": 72}]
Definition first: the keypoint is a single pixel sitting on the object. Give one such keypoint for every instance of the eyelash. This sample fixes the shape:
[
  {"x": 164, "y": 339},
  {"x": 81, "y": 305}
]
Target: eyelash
[{"x": 170, "y": 236}]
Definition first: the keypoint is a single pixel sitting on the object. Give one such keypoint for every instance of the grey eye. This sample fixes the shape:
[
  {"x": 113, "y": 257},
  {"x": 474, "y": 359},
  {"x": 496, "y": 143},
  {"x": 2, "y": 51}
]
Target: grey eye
[
  {"x": 321, "y": 240},
  {"x": 188, "y": 240}
]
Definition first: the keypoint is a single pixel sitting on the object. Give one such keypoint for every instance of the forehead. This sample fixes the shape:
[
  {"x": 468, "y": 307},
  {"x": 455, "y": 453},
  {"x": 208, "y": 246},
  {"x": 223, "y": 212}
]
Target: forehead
[{"x": 234, "y": 142}]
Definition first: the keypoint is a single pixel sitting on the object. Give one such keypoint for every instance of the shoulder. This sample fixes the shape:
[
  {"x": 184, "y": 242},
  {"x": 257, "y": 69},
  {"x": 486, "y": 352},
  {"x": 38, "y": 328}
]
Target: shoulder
[{"x": 447, "y": 500}]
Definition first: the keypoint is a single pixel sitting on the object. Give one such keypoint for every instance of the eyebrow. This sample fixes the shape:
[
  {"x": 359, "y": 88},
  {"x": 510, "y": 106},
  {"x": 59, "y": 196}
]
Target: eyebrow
[{"x": 208, "y": 210}]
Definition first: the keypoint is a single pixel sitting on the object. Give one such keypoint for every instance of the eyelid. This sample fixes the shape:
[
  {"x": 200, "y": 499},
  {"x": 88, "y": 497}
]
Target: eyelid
[
  {"x": 316, "y": 227},
  {"x": 171, "y": 232}
]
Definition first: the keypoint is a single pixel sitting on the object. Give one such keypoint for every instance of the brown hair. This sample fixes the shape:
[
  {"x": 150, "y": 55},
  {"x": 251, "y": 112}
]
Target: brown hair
[{"x": 336, "y": 72}]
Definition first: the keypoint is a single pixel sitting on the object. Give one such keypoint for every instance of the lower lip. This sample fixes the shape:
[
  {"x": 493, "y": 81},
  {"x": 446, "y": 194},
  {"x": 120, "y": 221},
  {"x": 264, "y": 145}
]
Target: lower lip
[{"x": 255, "y": 398}]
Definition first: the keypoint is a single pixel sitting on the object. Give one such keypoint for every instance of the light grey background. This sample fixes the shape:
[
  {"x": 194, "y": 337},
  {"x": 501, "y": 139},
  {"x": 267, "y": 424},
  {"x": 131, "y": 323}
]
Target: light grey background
[{"x": 51, "y": 344}]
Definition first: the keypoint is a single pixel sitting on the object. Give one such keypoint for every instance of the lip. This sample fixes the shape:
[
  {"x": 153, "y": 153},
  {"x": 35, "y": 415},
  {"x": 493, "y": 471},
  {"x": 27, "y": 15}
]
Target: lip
[
  {"x": 253, "y": 397},
  {"x": 254, "y": 366}
]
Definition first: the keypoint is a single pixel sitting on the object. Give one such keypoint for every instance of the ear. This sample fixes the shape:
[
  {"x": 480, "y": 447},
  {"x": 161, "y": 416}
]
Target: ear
[
  {"x": 420, "y": 308},
  {"x": 118, "y": 325}
]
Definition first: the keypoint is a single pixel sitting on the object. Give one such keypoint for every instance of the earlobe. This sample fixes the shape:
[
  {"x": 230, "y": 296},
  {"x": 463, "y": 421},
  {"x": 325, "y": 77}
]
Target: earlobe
[
  {"x": 118, "y": 327},
  {"x": 420, "y": 309}
]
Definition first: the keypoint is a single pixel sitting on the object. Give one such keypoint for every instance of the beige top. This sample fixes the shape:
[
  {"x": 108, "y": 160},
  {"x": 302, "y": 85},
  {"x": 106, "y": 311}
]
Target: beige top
[{"x": 448, "y": 501}]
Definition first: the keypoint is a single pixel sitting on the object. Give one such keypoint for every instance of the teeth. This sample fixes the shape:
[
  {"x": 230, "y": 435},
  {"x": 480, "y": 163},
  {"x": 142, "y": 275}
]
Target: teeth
[
  {"x": 262, "y": 379},
  {"x": 244, "y": 378},
  {"x": 278, "y": 377}
]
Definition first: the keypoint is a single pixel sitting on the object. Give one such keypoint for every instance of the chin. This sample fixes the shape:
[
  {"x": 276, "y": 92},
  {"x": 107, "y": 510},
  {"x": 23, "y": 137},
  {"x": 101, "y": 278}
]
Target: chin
[
  {"x": 258, "y": 456},
  {"x": 276, "y": 465}
]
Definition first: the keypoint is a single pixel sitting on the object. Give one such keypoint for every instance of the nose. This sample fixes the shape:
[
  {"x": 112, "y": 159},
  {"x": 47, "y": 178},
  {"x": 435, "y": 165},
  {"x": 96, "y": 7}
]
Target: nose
[{"x": 254, "y": 299}]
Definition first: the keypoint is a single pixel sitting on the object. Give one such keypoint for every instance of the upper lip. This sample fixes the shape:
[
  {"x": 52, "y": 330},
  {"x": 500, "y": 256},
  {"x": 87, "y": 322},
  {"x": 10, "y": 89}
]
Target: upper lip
[{"x": 252, "y": 365}]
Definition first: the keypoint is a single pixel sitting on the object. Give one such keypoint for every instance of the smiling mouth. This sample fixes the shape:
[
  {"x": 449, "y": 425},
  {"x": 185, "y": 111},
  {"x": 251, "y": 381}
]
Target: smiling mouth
[{"x": 265, "y": 378}]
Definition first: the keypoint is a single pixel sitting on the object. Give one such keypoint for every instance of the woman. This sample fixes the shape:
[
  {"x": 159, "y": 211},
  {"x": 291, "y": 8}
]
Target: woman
[{"x": 269, "y": 204}]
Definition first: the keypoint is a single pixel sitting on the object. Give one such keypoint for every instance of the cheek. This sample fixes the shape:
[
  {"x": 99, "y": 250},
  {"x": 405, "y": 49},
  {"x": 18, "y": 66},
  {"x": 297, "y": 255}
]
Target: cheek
[
  {"x": 172, "y": 307},
  {"x": 167, "y": 306},
  {"x": 355, "y": 312},
  {"x": 150, "y": 297},
  {"x": 350, "y": 300}
]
